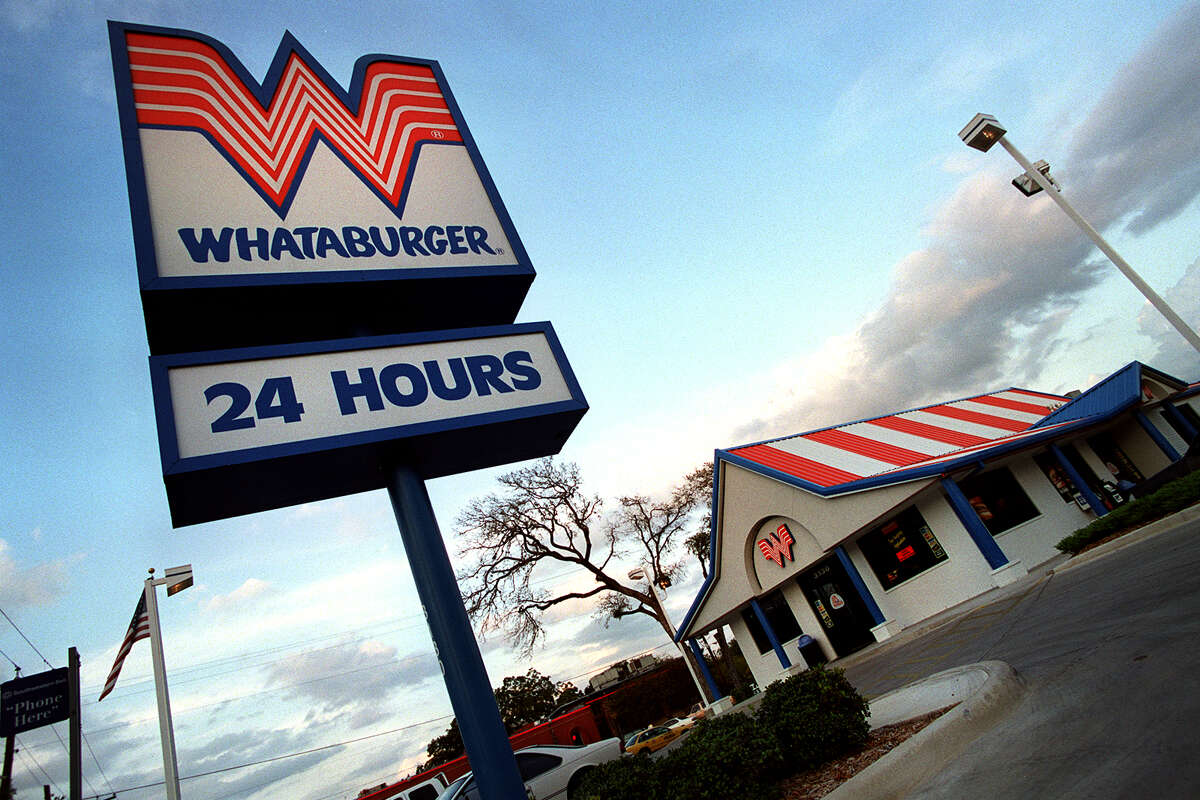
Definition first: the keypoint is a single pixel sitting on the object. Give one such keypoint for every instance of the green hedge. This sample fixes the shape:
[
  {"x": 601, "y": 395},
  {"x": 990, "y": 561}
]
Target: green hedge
[
  {"x": 1174, "y": 496},
  {"x": 803, "y": 721}
]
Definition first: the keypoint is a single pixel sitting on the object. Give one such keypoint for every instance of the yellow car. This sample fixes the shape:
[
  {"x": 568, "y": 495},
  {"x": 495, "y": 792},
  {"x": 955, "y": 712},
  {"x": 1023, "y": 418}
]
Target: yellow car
[{"x": 653, "y": 739}]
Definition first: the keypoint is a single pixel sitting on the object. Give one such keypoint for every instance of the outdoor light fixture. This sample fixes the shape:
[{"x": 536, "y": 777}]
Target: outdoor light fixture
[
  {"x": 177, "y": 578},
  {"x": 638, "y": 574},
  {"x": 1029, "y": 186},
  {"x": 983, "y": 131}
]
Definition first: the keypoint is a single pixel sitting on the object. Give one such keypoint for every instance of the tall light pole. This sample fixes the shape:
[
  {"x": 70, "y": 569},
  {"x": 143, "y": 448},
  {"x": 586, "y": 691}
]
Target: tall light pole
[
  {"x": 984, "y": 131},
  {"x": 637, "y": 574}
]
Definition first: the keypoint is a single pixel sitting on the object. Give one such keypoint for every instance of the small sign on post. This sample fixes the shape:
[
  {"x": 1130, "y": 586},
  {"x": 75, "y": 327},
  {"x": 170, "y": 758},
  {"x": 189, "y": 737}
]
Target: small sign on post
[{"x": 34, "y": 701}]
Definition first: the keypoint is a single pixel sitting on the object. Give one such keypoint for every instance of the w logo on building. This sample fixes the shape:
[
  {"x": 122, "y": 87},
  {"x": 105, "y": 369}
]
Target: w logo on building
[
  {"x": 777, "y": 546},
  {"x": 268, "y": 132}
]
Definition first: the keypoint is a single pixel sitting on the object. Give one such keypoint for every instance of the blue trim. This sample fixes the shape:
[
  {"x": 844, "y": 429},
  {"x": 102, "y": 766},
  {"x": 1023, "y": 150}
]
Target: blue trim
[
  {"x": 1155, "y": 434},
  {"x": 1092, "y": 500},
  {"x": 970, "y": 520},
  {"x": 771, "y": 637},
  {"x": 1189, "y": 430},
  {"x": 714, "y": 566},
  {"x": 704, "y": 670},
  {"x": 471, "y": 696},
  {"x": 172, "y": 463},
  {"x": 859, "y": 586},
  {"x": 263, "y": 92},
  {"x": 934, "y": 470}
]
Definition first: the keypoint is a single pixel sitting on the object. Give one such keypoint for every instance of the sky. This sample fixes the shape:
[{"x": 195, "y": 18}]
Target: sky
[{"x": 746, "y": 221}]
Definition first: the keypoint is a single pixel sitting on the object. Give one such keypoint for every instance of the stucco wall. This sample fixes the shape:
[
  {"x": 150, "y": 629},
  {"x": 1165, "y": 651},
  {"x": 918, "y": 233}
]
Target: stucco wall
[{"x": 961, "y": 576}]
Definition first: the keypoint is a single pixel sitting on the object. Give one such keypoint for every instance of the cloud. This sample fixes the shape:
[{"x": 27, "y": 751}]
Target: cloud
[
  {"x": 1173, "y": 354},
  {"x": 351, "y": 680},
  {"x": 36, "y": 585},
  {"x": 223, "y": 603},
  {"x": 985, "y": 303}
]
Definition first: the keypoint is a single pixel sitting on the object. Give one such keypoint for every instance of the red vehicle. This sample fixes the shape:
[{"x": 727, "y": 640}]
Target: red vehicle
[{"x": 580, "y": 726}]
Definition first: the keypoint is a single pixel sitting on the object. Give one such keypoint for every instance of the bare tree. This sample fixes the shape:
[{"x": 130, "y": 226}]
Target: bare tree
[{"x": 542, "y": 515}]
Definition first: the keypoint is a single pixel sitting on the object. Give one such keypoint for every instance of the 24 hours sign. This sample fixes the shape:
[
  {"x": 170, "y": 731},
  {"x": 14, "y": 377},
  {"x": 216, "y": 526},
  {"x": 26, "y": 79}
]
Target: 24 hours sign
[{"x": 254, "y": 427}]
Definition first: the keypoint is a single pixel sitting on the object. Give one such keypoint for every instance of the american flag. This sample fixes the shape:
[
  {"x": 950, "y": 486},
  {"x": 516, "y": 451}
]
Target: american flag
[{"x": 139, "y": 628}]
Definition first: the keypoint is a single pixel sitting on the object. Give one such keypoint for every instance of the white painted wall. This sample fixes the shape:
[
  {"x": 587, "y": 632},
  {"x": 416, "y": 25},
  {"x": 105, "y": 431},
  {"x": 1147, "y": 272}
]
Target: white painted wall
[{"x": 960, "y": 577}]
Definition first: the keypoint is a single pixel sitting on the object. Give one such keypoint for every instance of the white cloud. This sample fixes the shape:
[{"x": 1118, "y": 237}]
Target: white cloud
[
  {"x": 34, "y": 585},
  {"x": 224, "y": 603}
]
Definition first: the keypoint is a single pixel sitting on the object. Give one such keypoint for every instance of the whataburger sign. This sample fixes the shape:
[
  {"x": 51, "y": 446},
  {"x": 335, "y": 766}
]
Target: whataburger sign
[
  {"x": 357, "y": 208},
  {"x": 328, "y": 277}
]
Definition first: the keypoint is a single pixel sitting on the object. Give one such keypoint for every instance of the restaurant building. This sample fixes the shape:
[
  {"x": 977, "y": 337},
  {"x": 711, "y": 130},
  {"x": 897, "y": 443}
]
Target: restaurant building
[{"x": 849, "y": 534}]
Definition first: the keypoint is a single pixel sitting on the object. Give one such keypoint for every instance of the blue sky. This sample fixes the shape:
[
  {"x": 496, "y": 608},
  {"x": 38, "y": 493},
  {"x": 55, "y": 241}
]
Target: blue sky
[{"x": 746, "y": 221}]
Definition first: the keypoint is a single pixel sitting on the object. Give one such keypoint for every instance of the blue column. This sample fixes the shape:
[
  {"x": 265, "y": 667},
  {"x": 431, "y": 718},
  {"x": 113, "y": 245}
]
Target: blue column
[
  {"x": 970, "y": 520},
  {"x": 771, "y": 637},
  {"x": 855, "y": 578},
  {"x": 1185, "y": 428},
  {"x": 708, "y": 678},
  {"x": 1156, "y": 435},
  {"x": 467, "y": 683},
  {"x": 1077, "y": 479}
]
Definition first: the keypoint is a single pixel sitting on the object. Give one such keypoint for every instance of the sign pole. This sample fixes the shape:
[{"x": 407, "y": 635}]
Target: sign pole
[
  {"x": 471, "y": 697},
  {"x": 75, "y": 725},
  {"x": 6, "y": 775},
  {"x": 170, "y": 768}
]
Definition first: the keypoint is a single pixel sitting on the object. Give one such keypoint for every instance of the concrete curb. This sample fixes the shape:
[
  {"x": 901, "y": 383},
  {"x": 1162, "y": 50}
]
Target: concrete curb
[
  {"x": 991, "y": 689},
  {"x": 1133, "y": 537}
]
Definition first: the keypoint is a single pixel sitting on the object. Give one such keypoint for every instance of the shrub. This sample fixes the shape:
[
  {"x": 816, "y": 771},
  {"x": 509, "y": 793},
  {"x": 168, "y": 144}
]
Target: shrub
[
  {"x": 814, "y": 716},
  {"x": 802, "y": 721},
  {"x": 626, "y": 778},
  {"x": 1174, "y": 496},
  {"x": 726, "y": 757}
]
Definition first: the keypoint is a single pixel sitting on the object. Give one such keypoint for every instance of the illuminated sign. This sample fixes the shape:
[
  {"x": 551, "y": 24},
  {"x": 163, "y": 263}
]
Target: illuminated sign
[
  {"x": 365, "y": 209},
  {"x": 256, "y": 428},
  {"x": 778, "y": 545}
]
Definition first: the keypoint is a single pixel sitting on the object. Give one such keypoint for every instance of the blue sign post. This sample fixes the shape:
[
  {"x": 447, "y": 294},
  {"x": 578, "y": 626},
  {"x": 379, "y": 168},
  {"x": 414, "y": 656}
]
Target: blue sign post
[
  {"x": 467, "y": 682},
  {"x": 336, "y": 233}
]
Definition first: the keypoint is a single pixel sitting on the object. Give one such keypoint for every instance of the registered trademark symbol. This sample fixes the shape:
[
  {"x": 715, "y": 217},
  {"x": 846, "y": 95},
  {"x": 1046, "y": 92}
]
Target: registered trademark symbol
[
  {"x": 438, "y": 135},
  {"x": 500, "y": 251}
]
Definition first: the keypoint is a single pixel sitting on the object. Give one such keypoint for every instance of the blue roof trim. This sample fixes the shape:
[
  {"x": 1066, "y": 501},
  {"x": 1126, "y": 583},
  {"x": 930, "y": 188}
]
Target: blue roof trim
[
  {"x": 1112, "y": 395},
  {"x": 714, "y": 563}
]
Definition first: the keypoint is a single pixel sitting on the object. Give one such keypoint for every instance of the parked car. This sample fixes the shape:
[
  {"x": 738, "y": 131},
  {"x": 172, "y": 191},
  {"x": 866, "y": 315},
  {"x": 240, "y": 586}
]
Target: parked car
[
  {"x": 652, "y": 739},
  {"x": 550, "y": 771},
  {"x": 698, "y": 712},
  {"x": 682, "y": 723}
]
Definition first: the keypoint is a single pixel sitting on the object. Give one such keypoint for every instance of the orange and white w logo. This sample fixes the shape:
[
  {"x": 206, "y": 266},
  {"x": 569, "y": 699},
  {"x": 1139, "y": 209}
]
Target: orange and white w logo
[{"x": 777, "y": 546}]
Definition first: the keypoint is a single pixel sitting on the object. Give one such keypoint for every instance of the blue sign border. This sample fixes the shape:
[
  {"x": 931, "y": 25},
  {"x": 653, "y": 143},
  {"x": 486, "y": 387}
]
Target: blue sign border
[
  {"x": 205, "y": 488},
  {"x": 498, "y": 290}
]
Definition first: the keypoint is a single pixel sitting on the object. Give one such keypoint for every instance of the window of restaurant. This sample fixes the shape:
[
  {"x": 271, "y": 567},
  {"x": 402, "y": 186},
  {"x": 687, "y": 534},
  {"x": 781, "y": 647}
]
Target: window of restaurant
[
  {"x": 779, "y": 614},
  {"x": 1119, "y": 465},
  {"x": 998, "y": 499},
  {"x": 901, "y": 548}
]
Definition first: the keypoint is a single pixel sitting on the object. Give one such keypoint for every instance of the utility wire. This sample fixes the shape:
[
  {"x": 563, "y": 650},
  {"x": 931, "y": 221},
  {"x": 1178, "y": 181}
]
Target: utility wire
[
  {"x": 26, "y": 638},
  {"x": 280, "y": 758},
  {"x": 9, "y": 660}
]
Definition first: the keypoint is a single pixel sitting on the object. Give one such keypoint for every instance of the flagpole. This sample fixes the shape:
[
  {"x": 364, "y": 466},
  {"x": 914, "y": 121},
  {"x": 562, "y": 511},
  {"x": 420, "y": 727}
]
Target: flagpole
[{"x": 170, "y": 765}]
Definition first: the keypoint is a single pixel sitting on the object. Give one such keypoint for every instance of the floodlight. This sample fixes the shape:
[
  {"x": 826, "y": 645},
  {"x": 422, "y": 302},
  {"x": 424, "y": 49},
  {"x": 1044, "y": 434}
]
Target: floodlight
[
  {"x": 982, "y": 132},
  {"x": 1026, "y": 183}
]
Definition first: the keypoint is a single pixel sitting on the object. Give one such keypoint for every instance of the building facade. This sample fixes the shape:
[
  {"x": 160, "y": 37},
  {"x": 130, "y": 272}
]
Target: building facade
[{"x": 846, "y": 535}]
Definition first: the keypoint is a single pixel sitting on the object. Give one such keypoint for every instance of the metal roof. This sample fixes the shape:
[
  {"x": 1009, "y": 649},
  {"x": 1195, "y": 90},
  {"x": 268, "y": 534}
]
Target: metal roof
[{"x": 892, "y": 448}]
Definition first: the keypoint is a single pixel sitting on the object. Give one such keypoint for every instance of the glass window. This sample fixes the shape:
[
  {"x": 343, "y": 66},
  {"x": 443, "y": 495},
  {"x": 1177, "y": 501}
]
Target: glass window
[
  {"x": 1120, "y": 467},
  {"x": 530, "y": 765},
  {"x": 901, "y": 548},
  {"x": 779, "y": 615},
  {"x": 426, "y": 792},
  {"x": 998, "y": 499}
]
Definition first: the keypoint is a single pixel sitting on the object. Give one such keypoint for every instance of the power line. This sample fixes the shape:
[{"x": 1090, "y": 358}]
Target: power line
[
  {"x": 280, "y": 758},
  {"x": 16, "y": 666},
  {"x": 26, "y": 638}
]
